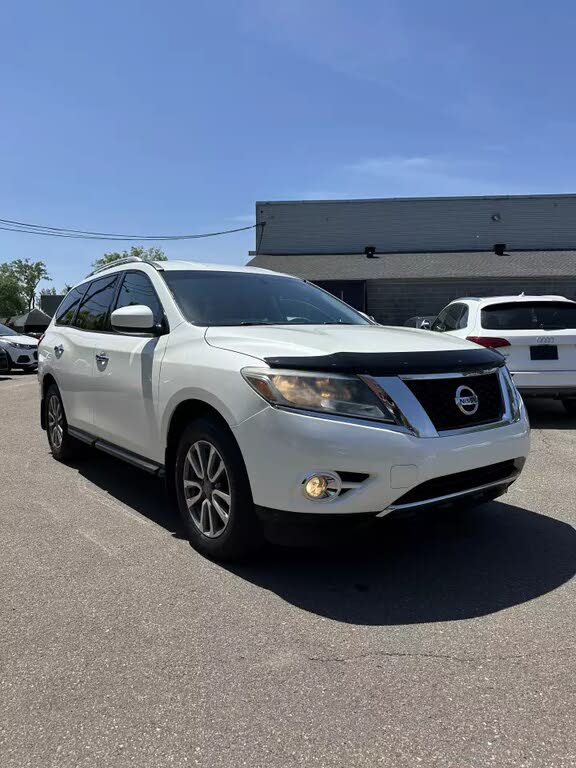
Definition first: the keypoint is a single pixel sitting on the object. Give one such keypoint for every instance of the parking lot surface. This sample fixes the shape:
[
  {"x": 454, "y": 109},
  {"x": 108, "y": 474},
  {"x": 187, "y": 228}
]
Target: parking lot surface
[{"x": 427, "y": 641}]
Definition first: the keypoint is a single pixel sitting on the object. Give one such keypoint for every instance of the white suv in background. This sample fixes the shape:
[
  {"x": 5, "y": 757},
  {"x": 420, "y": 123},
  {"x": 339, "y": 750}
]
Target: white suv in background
[
  {"x": 535, "y": 334},
  {"x": 22, "y": 351},
  {"x": 258, "y": 394}
]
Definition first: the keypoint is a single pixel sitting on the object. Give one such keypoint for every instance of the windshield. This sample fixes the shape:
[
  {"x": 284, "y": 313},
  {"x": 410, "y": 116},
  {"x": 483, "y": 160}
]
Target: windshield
[
  {"x": 5, "y": 331},
  {"x": 528, "y": 315},
  {"x": 243, "y": 298}
]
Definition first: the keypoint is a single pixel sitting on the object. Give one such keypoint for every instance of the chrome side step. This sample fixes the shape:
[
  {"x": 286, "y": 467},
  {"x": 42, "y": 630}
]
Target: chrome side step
[{"x": 120, "y": 453}]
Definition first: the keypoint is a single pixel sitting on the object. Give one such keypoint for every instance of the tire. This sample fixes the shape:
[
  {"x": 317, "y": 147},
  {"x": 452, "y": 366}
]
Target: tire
[
  {"x": 62, "y": 446},
  {"x": 213, "y": 493},
  {"x": 570, "y": 406}
]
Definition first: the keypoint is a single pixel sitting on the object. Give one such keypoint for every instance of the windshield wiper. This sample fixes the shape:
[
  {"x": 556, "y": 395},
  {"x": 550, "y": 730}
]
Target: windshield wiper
[{"x": 257, "y": 322}]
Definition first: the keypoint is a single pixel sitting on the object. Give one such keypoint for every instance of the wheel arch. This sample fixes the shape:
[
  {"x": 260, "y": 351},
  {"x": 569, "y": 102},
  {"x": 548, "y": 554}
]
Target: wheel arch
[
  {"x": 47, "y": 381},
  {"x": 185, "y": 412}
]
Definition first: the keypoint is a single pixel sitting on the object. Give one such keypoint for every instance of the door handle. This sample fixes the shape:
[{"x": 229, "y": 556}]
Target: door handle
[
  {"x": 102, "y": 357},
  {"x": 58, "y": 350}
]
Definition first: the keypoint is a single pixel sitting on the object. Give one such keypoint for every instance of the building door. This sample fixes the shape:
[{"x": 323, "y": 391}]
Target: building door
[{"x": 353, "y": 292}]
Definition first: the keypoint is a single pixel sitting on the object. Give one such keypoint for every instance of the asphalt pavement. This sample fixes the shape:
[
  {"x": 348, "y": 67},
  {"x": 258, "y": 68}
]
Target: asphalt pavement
[{"x": 424, "y": 641}]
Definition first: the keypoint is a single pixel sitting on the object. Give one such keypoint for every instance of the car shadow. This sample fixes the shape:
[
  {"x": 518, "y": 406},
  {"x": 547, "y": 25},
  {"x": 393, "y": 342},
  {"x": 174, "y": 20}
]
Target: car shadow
[
  {"x": 426, "y": 568},
  {"x": 9, "y": 376},
  {"x": 144, "y": 493},
  {"x": 423, "y": 568},
  {"x": 548, "y": 414}
]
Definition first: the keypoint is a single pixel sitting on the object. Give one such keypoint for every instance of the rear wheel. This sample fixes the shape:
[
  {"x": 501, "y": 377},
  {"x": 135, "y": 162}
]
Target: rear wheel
[
  {"x": 62, "y": 445},
  {"x": 213, "y": 492},
  {"x": 570, "y": 405}
]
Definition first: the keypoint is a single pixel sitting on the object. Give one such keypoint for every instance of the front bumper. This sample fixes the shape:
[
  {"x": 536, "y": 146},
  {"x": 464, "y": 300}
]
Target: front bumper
[
  {"x": 280, "y": 448},
  {"x": 22, "y": 359}
]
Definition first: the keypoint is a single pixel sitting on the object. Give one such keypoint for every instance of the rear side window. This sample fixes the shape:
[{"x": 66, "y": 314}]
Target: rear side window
[
  {"x": 67, "y": 309},
  {"x": 463, "y": 320},
  {"x": 137, "y": 289},
  {"x": 94, "y": 309},
  {"x": 451, "y": 318},
  {"x": 529, "y": 315}
]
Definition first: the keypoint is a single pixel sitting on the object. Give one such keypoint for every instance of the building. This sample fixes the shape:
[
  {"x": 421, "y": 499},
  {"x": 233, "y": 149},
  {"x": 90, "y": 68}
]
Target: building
[
  {"x": 49, "y": 303},
  {"x": 34, "y": 321},
  {"x": 427, "y": 251}
]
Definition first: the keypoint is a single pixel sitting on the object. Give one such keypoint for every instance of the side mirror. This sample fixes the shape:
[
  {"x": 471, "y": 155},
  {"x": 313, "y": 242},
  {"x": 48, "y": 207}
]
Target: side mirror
[
  {"x": 136, "y": 318},
  {"x": 425, "y": 325}
]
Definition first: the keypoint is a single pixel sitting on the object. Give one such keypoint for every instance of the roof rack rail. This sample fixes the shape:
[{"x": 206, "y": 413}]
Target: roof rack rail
[
  {"x": 123, "y": 260},
  {"x": 115, "y": 263}
]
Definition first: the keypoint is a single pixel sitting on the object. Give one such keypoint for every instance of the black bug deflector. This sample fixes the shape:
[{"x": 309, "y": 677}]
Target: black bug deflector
[{"x": 393, "y": 363}]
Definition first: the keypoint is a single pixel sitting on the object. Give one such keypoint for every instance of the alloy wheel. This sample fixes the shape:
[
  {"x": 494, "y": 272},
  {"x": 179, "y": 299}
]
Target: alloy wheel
[
  {"x": 55, "y": 421},
  {"x": 207, "y": 489}
]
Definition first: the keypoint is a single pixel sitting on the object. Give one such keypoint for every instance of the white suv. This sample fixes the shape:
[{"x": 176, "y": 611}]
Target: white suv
[
  {"x": 256, "y": 394},
  {"x": 21, "y": 350},
  {"x": 535, "y": 334}
]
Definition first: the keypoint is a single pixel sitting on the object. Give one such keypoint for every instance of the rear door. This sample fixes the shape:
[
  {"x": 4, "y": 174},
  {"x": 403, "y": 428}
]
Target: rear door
[
  {"x": 65, "y": 357},
  {"x": 89, "y": 324},
  {"x": 541, "y": 334}
]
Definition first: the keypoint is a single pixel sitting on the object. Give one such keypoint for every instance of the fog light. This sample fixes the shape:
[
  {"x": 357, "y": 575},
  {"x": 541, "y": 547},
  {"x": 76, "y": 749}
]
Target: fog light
[
  {"x": 316, "y": 487},
  {"x": 321, "y": 485}
]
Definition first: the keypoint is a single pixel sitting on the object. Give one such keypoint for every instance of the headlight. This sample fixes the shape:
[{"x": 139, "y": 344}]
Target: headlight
[
  {"x": 15, "y": 344},
  {"x": 343, "y": 395},
  {"x": 514, "y": 396}
]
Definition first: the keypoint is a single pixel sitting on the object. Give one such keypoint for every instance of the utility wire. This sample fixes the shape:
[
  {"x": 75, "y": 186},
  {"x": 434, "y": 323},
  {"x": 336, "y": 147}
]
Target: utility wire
[{"x": 9, "y": 225}]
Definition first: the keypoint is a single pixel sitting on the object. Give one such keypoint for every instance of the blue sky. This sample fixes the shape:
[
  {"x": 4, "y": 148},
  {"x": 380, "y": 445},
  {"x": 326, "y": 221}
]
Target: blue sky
[{"x": 176, "y": 116}]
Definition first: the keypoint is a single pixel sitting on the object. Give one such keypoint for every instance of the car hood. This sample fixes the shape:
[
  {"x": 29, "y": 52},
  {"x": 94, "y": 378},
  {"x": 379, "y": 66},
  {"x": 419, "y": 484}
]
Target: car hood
[
  {"x": 314, "y": 340},
  {"x": 20, "y": 338}
]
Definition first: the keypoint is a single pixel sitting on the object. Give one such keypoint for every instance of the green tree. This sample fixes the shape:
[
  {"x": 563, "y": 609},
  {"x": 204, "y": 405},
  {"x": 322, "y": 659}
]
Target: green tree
[
  {"x": 28, "y": 274},
  {"x": 48, "y": 291},
  {"x": 11, "y": 298},
  {"x": 147, "y": 254}
]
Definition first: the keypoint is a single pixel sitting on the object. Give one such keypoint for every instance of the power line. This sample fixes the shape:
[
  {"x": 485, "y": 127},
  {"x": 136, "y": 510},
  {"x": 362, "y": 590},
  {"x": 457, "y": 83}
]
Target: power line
[{"x": 10, "y": 225}]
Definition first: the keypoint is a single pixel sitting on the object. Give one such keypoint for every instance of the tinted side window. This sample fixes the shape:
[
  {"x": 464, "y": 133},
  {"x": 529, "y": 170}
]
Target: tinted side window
[
  {"x": 463, "y": 319},
  {"x": 137, "y": 289},
  {"x": 95, "y": 306},
  {"x": 440, "y": 323},
  {"x": 66, "y": 310}
]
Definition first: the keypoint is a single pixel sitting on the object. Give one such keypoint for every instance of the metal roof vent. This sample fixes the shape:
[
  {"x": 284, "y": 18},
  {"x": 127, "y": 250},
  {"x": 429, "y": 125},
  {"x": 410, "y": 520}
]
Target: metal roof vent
[
  {"x": 370, "y": 252},
  {"x": 499, "y": 249}
]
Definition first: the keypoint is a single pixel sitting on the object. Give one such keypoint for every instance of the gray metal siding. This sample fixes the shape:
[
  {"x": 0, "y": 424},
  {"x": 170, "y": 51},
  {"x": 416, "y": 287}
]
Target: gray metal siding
[
  {"x": 433, "y": 224},
  {"x": 393, "y": 302}
]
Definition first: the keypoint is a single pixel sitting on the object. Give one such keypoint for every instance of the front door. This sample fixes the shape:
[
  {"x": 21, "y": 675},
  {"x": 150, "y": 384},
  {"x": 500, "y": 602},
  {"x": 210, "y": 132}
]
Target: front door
[{"x": 126, "y": 373}]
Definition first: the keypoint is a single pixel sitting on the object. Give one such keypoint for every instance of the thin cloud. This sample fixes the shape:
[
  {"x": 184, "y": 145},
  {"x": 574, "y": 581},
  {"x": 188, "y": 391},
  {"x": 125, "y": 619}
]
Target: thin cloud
[
  {"x": 387, "y": 166},
  {"x": 423, "y": 175}
]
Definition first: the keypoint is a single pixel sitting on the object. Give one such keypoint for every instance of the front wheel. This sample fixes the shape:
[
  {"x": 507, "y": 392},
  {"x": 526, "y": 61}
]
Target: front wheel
[
  {"x": 213, "y": 492},
  {"x": 570, "y": 406}
]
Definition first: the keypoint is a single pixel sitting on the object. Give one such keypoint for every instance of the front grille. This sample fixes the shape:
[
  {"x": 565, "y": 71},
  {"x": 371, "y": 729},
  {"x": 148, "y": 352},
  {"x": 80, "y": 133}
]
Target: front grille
[
  {"x": 438, "y": 398},
  {"x": 461, "y": 481}
]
